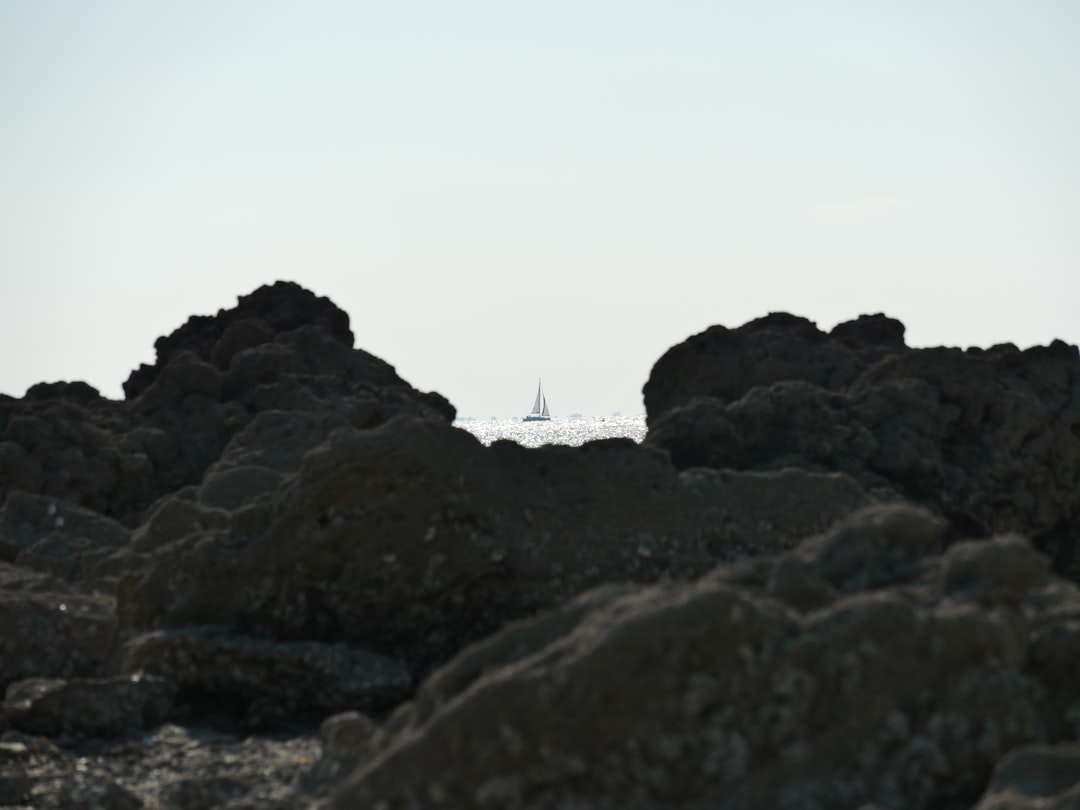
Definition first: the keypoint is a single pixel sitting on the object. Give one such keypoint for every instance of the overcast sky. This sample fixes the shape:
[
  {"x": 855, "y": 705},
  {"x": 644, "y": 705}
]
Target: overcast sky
[{"x": 501, "y": 191}]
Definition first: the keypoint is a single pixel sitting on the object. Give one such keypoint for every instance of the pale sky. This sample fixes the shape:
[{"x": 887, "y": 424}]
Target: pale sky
[{"x": 501, "y": 191}]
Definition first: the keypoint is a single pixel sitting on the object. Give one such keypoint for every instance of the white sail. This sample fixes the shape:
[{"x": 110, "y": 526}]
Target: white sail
[{"x": 539, "y": 412}]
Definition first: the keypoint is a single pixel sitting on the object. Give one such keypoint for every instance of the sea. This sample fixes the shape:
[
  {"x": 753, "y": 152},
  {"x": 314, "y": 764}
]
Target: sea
[{"x": 572, "y": 430}]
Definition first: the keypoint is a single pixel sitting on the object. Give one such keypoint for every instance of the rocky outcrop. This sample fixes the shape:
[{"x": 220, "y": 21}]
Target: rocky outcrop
[
  {"x": 724, "y": 364},
  {"x": 988, "y": 439},
  {"x": 280, "y": 348},
  {"x": 744, "y": 693},
  {"x": 258, "y": 684},
  {"x": 102, "y": 707},
  {"x": 412, "y": 539},
  {"x": 277, "y": 576},
  {"x": 1038, "y": 777},
  {"x": 87, "y": 550},
  {"x": 47, "y": 629},
  {"x": 255, "y": 320}
]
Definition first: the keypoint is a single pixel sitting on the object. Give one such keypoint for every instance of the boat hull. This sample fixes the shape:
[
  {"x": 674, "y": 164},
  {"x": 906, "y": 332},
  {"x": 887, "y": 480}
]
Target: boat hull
[{"x": 536, "y": 419}]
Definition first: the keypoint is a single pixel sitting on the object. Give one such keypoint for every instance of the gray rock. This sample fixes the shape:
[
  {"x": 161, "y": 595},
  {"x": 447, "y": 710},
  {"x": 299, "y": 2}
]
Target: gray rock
[
  {"x": 775, "y": 602},
  {"x": 261, "y": 684},
  {"x": 1038, "y": 777},
  {"x": 990, "y": 439},
  {"x": 380, "y": 539},
  {"x": 170, "y": 767},
  {"x": 347, "y": 739},
  {"x": 726, "y": 363},
  {"x": 25, "y": 519},
  {"x": 714, "y": 694},
  {"x": 99, "y": 707},
  {"x": 279, "y": 347},
  {"x": 50, "y": 631}
]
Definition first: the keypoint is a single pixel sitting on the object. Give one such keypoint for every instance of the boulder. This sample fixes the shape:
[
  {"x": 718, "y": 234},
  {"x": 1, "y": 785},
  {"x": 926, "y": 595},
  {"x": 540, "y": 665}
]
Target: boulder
[
  {"x": 175, "y": 517},
  {"x": 89, "y": 707},
  {"x": 1053, "y": 614},
  {"x": 27, "y": 519},
  {"x": 726, "y": 363},
  {"x": 1036, "y": 777},
  {"x": 412, "y": 539},
  {"x": 736, "y": 699},
  {"x": 345, "y": 739},
  {"x": 74, "y": 543},
  {"x": 868, "y": 333},
  {"x": 255, "y": 683},
  {"x": 47, "y": 630},
  {"x": 811, "y": 586},
  {"x": 82, "y": 451},
  {"x": 280, "y": 348},
  {"x": 268, "y": 311},
  {"x": 988, "y": 439}
]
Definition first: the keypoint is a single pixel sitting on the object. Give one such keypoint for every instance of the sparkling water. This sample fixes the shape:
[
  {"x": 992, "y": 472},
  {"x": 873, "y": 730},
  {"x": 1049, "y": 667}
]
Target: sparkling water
[{"x": 558, "y": 430}]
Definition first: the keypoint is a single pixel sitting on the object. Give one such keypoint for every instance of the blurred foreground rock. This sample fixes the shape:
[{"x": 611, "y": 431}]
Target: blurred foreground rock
[
  {"x": 277, "y": 576},
  {"x": 901, "y": 684}
]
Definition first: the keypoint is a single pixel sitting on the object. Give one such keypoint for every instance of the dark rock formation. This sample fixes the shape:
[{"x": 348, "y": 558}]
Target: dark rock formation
[
  {"x": 170, "y": 767},
  {"x": 52, "y": 536},
  {"x": 989, "y": 439},
  {"x": 259, "y": 684},
  {"x": 275, "y": 576},
  {"x": 257, "y": 319},
  {"x": 726, "y": 363},
  {"x": 49, "y": 630},
  {"x": 412, "y": 539},
  {"x": 281, "y": 348},
  {"x": 901, "y": 687},
  {"x": 104, "y": 707},
  {"x": 1037, "y": 777}
]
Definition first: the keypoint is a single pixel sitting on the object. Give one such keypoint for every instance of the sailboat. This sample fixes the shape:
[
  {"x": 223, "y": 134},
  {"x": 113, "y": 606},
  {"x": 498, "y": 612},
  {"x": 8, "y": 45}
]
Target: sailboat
[{"x": 539, "y": 411}]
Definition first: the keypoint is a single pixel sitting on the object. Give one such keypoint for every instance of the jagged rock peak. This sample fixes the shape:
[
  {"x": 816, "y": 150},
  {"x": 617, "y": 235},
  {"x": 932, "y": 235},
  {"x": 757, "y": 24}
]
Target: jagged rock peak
[
  {"x": 257, "y": 318},
  {"x": 871, "y": 330}
]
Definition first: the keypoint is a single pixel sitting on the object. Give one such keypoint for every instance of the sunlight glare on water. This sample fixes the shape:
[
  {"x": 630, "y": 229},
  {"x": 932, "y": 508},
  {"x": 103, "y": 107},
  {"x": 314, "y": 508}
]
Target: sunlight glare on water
[{"x": 570, "y": 431}]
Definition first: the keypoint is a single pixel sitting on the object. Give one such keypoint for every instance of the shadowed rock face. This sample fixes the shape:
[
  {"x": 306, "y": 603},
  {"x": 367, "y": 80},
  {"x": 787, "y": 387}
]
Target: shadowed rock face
[
  {"x": 725, "y": 363},
  {"x": 255, "y": 320},
  {"x": 413, "y": 539},
  {"x": 280, "y": 348},
  {"x": 274, "y": 530},
  {"x": 989, "y": 439},
  {"x": 734, "y": 691}
]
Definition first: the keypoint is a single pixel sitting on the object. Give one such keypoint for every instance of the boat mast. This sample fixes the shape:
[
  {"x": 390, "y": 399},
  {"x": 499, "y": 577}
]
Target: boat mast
[{"x": 539, "y": 394}]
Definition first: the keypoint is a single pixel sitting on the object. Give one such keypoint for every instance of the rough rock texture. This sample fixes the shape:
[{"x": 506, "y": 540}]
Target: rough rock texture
[
  {"x": 989, "y": 439},
  {"x": 261, "y": 684},
  {"x": 412, "y": 539},
  {"x": 275, "y": 576},
  {"x": 739, "y": 698},
  {"x": 48, "y": 630},
  {"x": 1038, "y": 777},
  {"x": 103, "y": 707},
  {"x": 725, "y": 363},
  {"x": 56, "y": 537},
  {"x": 172, "y": 767},
  {"x": 280, "y": 348}
]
